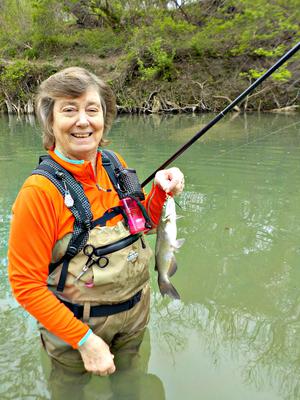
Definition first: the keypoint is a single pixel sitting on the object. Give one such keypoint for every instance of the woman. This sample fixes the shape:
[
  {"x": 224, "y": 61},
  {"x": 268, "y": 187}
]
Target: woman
[{"x": 76, "y": 110}]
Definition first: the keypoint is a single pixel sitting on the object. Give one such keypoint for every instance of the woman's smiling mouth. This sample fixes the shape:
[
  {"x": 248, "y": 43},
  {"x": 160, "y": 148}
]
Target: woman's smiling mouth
[{"x": 81, "y": 135}]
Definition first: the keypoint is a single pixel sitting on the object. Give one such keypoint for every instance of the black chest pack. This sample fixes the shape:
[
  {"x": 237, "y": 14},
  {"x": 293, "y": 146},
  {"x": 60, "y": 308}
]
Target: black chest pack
[{"x": 126, "y": 184}]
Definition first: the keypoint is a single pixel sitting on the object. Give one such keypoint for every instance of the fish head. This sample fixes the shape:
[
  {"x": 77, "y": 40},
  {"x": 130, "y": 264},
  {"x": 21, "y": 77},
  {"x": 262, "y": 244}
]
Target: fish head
[
  {"x": 169, "y": 212},
  {"x": 167, "y": 225}
]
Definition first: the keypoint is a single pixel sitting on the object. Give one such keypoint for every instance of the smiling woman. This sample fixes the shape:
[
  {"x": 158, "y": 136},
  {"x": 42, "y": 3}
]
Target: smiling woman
[
  {"x": 72, "y": 104},
  {"x": 88, "y": 312},
  {"x": 78, "y": 125}
]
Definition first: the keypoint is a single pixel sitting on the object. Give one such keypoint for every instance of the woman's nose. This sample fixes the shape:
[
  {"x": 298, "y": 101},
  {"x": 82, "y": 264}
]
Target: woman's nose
[{"x": 82, "y": 119}]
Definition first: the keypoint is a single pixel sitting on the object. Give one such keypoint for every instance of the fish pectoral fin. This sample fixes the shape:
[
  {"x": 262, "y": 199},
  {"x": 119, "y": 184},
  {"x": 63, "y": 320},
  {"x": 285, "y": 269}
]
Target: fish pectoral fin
[
  {"x": 178, "y": 243},
  {"x": 166, "y": 287},
  {"x": 173, "y": 267}
]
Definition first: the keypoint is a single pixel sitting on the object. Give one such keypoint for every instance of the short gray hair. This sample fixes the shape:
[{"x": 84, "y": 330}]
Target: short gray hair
[{"x": 72, "y": 82}]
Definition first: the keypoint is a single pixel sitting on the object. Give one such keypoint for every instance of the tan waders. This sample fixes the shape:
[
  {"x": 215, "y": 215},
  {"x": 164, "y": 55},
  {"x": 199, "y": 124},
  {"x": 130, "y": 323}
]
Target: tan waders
[
  {"x": 131, "y": 381},
  {"x": 124, "y": 277}
]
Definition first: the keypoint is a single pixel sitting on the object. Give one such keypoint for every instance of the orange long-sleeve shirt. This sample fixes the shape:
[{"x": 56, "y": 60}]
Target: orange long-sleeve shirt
[{"x": 40, "y": 218}]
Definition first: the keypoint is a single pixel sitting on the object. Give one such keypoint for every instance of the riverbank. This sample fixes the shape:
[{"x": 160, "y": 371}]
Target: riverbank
[
  {"x": 197, "y": 85},
  {"x": 209, "y": 85},
  {"x": 159, "y": 57}
]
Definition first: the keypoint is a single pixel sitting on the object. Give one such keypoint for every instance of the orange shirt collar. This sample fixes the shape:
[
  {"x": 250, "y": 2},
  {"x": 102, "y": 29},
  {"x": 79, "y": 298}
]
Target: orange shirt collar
[{"x": 80, "y": 169}]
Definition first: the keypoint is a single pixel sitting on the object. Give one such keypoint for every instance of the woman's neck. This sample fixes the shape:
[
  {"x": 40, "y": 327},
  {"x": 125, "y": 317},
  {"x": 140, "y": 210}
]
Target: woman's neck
[{"x": 92, "y": 158}]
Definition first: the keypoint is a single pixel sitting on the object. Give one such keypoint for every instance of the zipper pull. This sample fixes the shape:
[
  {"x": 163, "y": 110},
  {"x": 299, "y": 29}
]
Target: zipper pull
[{"x": 68, "y": 199}]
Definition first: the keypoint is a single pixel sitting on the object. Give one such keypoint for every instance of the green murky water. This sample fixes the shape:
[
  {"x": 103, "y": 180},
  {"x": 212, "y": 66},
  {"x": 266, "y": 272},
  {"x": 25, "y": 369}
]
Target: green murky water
[{"x": 236, "y": 332}]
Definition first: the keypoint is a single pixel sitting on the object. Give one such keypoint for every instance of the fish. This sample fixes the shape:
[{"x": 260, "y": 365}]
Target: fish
[{"x": 166, "y": 245}]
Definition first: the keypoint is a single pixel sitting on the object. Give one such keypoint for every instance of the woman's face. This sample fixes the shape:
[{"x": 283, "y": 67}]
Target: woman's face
[{"x": 78, "y": 125}]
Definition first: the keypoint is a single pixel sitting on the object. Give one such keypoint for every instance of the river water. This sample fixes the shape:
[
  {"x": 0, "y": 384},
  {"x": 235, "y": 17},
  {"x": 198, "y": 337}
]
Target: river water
[{"x": 235, "y": 334}]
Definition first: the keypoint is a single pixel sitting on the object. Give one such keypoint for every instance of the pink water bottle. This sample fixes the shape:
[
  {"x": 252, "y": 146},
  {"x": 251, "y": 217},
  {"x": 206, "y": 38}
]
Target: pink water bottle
[{"x": 136, "y": 220}]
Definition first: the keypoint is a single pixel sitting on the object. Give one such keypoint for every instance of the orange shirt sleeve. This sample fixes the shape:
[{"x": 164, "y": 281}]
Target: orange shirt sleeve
[
  {"x": 154, "y": 202},
  {"x": 34, "y": 231}
]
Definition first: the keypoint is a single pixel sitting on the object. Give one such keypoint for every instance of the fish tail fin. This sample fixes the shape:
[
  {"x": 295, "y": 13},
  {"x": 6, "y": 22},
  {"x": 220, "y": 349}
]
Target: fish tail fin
[{"x": 167, "y": 288}]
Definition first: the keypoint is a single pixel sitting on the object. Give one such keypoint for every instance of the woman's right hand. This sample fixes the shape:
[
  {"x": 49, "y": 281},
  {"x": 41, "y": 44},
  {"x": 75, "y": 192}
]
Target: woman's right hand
[{"x": 96, "y": 356}]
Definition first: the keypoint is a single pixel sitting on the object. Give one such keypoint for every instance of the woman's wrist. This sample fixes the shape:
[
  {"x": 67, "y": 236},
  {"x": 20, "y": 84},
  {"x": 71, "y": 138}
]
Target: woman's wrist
[{"x": 85, "y": 337}]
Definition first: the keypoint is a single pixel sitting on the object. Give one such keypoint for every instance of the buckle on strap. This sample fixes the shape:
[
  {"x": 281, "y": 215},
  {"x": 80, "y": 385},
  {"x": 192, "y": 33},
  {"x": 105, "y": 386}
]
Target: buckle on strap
[{"x": 105, "y": 309}]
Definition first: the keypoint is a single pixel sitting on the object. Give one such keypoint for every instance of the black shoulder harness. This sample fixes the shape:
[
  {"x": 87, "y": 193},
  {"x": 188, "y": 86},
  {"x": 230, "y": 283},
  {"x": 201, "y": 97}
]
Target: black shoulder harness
[{"x": 77, "y": 202}]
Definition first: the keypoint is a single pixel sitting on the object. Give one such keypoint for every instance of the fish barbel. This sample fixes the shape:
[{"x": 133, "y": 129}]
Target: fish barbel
[{"x": 166, "y": 245}]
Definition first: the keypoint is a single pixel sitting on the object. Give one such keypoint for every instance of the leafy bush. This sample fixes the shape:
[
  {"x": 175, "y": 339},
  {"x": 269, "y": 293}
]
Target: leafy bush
[
  {"x": 159, "y": 64},
  {"x": 12, "y": 79},
  {"x": 99, "y": 41},
  {"x": 281, "y": 75},
  {"x": 15, "y": 26},
  {"x": 173, "y": 32},
  {"x": 18, "y": 80},
  {"x": 154, "y": 47},
  {"x": 243, "y": 25},
  {"x": 44, "y": 46}
]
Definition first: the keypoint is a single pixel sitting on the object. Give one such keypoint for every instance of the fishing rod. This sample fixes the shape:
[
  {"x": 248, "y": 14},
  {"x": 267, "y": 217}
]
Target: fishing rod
[{"x": 258, "y": 81}]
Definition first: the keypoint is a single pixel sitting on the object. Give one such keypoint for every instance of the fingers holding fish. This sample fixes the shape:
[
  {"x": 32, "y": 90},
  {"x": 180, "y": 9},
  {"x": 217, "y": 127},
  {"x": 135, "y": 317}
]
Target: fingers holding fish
[{"x": 170, "y": 180}]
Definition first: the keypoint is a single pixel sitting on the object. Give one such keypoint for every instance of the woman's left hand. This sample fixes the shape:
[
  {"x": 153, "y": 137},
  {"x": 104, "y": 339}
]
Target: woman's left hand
[{"x": 170, "y": 180}]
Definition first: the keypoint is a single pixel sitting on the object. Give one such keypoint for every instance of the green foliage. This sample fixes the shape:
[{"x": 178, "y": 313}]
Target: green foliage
[
  {"x": 110, "y": 12},
  {"x": 214, "y": 39},
  {"x": 97, "y": 41},
  {"x": 48, "y": 16},
  {"x": 18, "y": 79},
  {"x": 244, "y": 26},
  {"x": 15, "y": 26},
  {"x": 37, "y": 28},
  {"x": 276, "y": 52},
  {"x": 154, "y": 47},
  {"x": 161, "y": 62},
  {"x": 172, "y": 32},
  {"x": 281, "y": 75},
  {"x": 12, "y": 79},
  {"x": 50, "y": 28},
  {"x": 43, "y": 46},
  {"x": 155, "y": 36}
]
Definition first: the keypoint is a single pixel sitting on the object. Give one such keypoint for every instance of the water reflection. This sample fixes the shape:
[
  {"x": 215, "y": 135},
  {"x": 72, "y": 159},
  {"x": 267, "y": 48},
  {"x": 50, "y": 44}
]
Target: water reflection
[
  {"x": 21, "y": 373},
  {"x": 131, "y": 381},
  {"x": 267, "y": 349},
  {"x": 237, "y": 328}
]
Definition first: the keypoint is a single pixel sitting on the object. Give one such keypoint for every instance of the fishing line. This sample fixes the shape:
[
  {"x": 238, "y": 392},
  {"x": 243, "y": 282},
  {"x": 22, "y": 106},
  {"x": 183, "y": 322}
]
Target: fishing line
[
  {"x": 253, "y": 141},
  {"x": 218, "y": 117}
]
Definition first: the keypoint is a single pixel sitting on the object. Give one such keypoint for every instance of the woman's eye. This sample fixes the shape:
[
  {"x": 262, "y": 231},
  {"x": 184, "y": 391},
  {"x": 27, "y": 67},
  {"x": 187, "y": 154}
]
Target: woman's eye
[
  {"x": 68, "y": 109},
  {"x": 92, "y": 110}
]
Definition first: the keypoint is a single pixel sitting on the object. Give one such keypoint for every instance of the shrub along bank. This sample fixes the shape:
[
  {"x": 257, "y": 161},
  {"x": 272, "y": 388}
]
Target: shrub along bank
[{"x": 159, "y": 56}]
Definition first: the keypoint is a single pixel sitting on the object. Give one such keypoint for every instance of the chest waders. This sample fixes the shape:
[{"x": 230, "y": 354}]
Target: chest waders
[{"x": 96, "y": 266}]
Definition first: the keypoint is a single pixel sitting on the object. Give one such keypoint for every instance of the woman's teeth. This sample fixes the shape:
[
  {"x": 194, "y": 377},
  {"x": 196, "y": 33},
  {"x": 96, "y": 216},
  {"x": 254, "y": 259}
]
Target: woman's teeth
[{"x": 81, "y": 135}]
